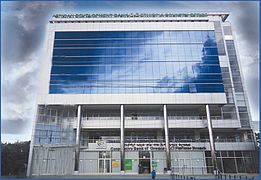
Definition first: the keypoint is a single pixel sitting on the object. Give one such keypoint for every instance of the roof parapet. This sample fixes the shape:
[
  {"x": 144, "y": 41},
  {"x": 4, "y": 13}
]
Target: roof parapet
[{"x": 223, "y": 15}]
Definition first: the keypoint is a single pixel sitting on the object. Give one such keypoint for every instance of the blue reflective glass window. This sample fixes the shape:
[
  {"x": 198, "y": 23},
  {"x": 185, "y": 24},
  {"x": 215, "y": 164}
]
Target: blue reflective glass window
[{"x": 135, "y": 62}]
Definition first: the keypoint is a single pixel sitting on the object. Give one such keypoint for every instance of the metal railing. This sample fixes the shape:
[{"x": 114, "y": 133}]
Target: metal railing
[
  {"x": 101, "y": 118},
  {"x": 130, "y": 140},
  {"x": 143, "y": 117},
  {"x": 151, "y": 118},
  {"x": 193, "y": 117},
  {"x": 233, "y": 176},
  {"x": 194, "y": 172}
]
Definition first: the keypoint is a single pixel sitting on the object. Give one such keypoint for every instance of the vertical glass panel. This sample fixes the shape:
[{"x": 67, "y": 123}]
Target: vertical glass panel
[
  {"x": 135, "y": 62},
  {"x": 229, "y": 165},
  {"x": 240, "y": 165}
]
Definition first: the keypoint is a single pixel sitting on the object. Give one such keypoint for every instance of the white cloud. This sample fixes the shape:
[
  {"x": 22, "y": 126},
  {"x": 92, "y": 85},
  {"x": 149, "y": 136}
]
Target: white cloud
[
  {"x": 23, "y": 32},
  {"x": 24, "y": 26}
]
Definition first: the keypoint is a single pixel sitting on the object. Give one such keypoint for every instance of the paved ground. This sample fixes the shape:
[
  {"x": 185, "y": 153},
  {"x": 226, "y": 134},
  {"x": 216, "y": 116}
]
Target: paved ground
[{"x": 147, "y": 176}]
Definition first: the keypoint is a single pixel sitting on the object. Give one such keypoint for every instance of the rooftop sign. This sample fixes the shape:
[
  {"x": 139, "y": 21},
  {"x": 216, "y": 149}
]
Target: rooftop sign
[{"x": 129, "y": 15}]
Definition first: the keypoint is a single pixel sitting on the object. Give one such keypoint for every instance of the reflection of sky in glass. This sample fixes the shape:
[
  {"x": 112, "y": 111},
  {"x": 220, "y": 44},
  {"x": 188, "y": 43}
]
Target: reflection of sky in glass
[{"x": 135, "y": 62}]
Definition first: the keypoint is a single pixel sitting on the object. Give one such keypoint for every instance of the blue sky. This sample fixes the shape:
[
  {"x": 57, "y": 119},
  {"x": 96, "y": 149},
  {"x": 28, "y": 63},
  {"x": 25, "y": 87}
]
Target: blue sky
[{"x": 23, "y": 28}]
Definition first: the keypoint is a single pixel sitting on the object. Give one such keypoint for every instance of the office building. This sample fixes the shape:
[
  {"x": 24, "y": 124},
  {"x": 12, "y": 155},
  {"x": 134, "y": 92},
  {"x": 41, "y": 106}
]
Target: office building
[{"x": 128, "y": 93}]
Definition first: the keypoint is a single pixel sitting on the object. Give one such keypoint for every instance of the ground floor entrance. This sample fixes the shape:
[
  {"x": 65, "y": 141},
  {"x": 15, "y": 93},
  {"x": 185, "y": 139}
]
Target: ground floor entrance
[
  {"x": 104, "y": 165},
  {"x": 60, "y": 161},
  {"x": 144, "y": 166},
  {"x": 144, "y": 162}
]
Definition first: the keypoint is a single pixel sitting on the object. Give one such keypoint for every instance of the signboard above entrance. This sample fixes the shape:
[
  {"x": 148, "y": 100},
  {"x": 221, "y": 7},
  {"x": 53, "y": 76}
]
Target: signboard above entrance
[{"x": 159, "y": 146}]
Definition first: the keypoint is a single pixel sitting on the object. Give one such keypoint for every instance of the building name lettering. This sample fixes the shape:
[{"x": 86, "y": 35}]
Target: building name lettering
[
  {"x": 158, "y": 146},
  {"x": 131, "y": 15}
]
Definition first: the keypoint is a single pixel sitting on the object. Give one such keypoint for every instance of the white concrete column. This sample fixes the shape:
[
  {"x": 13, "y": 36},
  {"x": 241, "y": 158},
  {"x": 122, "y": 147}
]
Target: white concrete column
[
  {"x": 166, "y": 129},
  {"x": 211, "y": 139},
  {"x": 77, "y": 142},
  {"x": 122, "y": 150}
]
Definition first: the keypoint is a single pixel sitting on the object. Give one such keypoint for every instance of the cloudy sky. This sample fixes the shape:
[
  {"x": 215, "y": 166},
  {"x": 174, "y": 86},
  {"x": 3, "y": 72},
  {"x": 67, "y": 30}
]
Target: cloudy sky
[{"x": 23, "y": 28}]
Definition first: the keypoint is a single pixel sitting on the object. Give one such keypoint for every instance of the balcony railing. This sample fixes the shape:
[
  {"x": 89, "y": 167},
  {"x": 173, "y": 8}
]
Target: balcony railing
[
  {"x": 193, "y": 117},
  {"x": 144, "y": 118},
  {"x": 163, "y": 140},
  {"x": 151, "y": 118},
  {"x": 101, "y": 118}
]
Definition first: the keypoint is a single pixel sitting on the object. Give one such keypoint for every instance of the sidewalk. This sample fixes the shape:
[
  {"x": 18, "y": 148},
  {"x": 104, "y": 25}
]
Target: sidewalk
[{"x": 145, "y": 176}]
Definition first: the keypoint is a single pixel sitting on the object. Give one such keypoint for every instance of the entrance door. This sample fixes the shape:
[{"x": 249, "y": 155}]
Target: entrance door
[
  {"x": 145, "y": 166},
  {"x": 104, "y": 165},
  {"x": 144, "y": 162}
]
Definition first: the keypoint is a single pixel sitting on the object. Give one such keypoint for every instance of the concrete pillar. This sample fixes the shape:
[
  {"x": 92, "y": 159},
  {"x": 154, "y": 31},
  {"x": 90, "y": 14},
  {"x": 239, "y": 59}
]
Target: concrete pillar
[
  {"x": 122, "y": 150},
  {"x": 166, "y": 129},
  {"x": 77, "y": 143},
  {"x": 211, "y": 139}
]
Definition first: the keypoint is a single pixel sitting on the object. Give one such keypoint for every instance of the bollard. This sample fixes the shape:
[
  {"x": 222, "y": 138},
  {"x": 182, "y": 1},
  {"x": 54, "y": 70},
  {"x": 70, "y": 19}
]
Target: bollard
[
  {"x": 225, "y": 176},
  {"x": 229, "y": 176},
  {"x": 240, "y": 177},
  {"x": 235, "y": 177}
]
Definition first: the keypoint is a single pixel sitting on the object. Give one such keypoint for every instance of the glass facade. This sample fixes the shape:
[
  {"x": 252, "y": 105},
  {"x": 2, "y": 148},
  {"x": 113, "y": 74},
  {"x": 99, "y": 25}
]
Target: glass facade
[
  {"x": 233, "y": 161},
  {"x": 238, "y": 85},
  {"x": 114, "y": 62},
  {"x": 55, "y": 125}
]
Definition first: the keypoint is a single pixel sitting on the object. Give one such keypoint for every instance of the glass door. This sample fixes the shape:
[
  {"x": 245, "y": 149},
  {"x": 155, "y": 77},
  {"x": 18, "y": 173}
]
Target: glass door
[
  {"x": 104, "y": 162},
  {"x": 101, "y": 165},
  {"x": 104, "y": 165},
  {"x": 144, "y": 162},
  {"x": 107, "y": 167}
]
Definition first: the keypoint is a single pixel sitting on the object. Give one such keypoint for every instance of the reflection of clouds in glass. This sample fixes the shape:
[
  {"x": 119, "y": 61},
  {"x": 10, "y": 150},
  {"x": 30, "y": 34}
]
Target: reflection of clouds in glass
[
  {"x": 188, "y": 72},
  {"x": 166, "y": 61}
]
